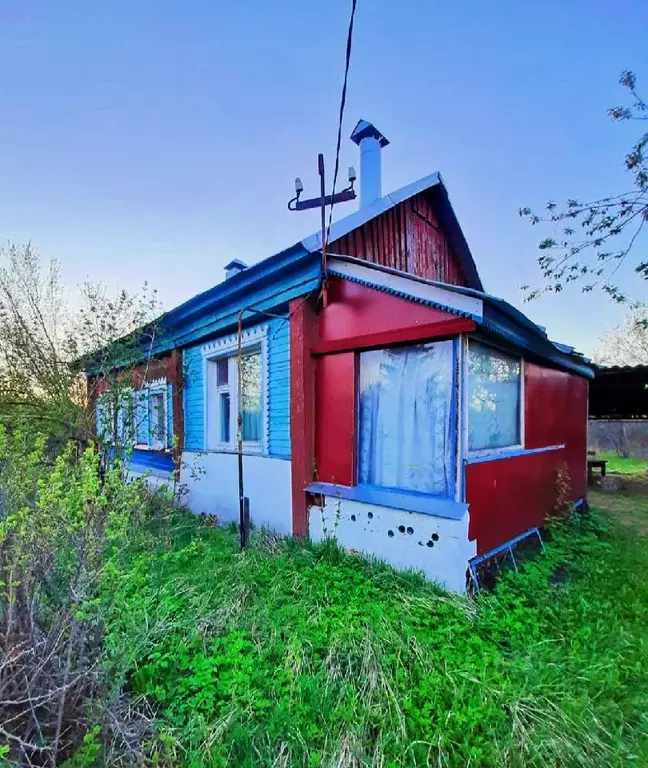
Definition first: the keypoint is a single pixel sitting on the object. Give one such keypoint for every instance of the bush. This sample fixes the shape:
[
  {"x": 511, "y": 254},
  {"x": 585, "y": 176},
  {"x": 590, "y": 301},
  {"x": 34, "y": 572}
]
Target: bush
[
  {"x": 137, "y": 634},
  {"x": 65, "y": 530}
]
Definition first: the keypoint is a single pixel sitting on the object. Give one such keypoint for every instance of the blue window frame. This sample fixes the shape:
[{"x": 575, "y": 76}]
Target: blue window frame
[{"x": 406, "y": 415}]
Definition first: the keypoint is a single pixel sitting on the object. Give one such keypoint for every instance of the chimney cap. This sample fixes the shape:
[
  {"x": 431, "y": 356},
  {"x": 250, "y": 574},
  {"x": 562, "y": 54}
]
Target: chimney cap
[
  {"x": 235, "y": 267},
  {"x": 236, "y": 264},
  {"x": 365, "y": 130}
]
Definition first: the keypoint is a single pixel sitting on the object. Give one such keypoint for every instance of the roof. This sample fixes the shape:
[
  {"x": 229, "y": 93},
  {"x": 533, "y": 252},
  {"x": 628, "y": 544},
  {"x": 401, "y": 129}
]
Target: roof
[
  {"x": 447, "y": 218},
  {"x": 293, "y": 272},
  {"x": 602, "y": 370},
  {"x": 493, "y": 315},
  {"x": 619, "y": 392}
]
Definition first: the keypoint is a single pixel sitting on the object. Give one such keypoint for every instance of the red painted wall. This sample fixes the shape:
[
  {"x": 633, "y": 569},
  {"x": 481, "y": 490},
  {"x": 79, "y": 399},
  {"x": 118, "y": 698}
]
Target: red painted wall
[
  {"x": 429, "y": 252},
  {"x": 355, "y": 311},
  {"x": 509, "y": 496},
  {"x": 555, "y": 411},
  {"x": 335, "y": 423},
  {"x": 406, "y": 237},
  {"x": 303, "y": 330},
  {"x": 355, "y": 317}
]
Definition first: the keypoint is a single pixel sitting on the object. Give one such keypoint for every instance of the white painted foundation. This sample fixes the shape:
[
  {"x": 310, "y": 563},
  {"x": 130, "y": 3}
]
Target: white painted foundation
[
  {"x": 437, "y": 546},
  {"x": 154, "y": 478},
  {"x": 211, "y": 480}
]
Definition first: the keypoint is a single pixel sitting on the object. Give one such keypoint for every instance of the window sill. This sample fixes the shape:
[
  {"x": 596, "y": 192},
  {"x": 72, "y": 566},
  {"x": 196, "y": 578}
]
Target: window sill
[
  {"x": 508, "y": 453},
  {"x": 152, "y": 448},
  {"x": 384, "y": 497},
  {"x": 248, "y": 450}
]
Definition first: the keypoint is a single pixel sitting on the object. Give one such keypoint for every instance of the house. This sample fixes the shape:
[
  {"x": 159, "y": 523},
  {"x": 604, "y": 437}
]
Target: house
[{"x": 388, "y": 401}]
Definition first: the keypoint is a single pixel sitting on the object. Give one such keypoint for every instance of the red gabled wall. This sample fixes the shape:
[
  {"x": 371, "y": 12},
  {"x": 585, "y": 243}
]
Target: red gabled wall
[
  {"x": 357, "y": 318},
  {"x": 407, "y": 237},
  {"x": 509, "y": 496}
]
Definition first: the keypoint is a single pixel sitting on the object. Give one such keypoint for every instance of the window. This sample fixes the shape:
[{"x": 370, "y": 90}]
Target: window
[
  {"x": 251, "y": 397},
  {"x": 158, "y": 420},
  {"x": 223, "y": 405},
  {"x": 493, "y": 398},
  {"x": 143, "y": 417},
  {"x": 405, "y": 425}
]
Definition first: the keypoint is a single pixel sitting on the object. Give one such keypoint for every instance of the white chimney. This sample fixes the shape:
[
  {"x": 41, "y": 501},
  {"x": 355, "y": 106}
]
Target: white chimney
[
  {"x": 371, "y": 142},
  {"x": 234, "y": 267}
]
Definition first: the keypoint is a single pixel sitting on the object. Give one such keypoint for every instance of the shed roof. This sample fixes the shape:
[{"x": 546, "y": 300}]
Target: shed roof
[{"x": 619, "y": 392}]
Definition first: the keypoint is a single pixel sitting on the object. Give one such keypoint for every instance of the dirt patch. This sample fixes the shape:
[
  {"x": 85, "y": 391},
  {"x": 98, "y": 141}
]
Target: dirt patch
[{"x": 629, "y": 504}]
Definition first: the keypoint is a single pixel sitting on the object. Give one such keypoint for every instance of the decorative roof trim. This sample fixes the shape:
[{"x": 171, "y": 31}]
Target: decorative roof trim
[{"x": 229, "y": 343}]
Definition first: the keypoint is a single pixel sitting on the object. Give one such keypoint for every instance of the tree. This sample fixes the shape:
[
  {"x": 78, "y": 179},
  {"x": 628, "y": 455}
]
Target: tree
[
  {"x": 627, "y": 344},
  {"x": 47, "y": 338},
  {"x": 592, "y": 240}
]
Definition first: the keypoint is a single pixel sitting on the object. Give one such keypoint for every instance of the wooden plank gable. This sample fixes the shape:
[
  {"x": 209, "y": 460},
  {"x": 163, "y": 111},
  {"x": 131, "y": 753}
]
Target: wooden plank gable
[{"x": 408, "y": 237}]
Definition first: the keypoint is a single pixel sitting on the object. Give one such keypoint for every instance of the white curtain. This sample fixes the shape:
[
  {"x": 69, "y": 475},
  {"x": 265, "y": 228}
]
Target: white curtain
[
  {"x": 493, "y": 398},
  {"x": 405, "y": 408}
]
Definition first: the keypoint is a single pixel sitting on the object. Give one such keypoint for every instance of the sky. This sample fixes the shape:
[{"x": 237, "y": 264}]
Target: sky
[{"x": 156, "y": 141}]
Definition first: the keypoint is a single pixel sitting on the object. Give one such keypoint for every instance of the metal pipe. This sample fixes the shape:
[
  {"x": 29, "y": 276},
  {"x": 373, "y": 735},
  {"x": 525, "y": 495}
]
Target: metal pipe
[{"x": 239, "y": 431}]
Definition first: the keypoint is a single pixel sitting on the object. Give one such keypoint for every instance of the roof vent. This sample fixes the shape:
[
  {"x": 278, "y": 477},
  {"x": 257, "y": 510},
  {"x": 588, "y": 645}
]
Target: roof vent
[
  {"x": 371, "y": 142},
  {"x": 234, "y": 267}
]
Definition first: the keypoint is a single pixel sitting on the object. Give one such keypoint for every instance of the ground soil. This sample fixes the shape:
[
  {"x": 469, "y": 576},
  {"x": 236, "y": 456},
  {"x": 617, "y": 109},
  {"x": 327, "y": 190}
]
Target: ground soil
[{"x": 629, "y": 504}]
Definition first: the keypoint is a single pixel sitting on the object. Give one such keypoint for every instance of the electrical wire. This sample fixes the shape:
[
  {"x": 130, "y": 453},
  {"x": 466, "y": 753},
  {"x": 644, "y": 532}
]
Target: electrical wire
[{"x": 341, "y": 117}]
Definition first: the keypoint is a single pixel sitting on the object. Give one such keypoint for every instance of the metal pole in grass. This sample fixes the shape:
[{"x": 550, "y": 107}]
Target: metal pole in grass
[{"x": 239, "y": 431}]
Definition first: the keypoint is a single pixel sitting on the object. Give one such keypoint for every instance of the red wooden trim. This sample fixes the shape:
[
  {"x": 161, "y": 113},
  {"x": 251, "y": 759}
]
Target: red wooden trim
[
  {"x": 303, "y": 334},
  {"x": 174, "y": 377},
  {"x": 335, "y": 425},
  {"x": 395, "y": 336}
]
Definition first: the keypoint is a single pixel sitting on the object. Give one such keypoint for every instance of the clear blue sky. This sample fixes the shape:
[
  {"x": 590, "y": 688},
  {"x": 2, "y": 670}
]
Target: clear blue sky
[{"x": 158, "y": 140}]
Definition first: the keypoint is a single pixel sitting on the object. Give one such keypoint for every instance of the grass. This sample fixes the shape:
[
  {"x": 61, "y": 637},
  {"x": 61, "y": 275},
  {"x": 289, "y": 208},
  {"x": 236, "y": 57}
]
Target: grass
[
  {"x": 300, "y": 655},
  {"x": 620, "y": 466},
  {"x": 629, "y": 505}
]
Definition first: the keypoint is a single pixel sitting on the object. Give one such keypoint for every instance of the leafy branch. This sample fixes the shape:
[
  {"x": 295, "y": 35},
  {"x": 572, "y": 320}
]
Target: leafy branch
[{"x": 593, "y": 239}]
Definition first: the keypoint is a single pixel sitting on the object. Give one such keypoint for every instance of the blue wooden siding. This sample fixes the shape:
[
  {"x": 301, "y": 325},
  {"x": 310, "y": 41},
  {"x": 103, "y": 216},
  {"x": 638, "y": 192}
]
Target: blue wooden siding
[
  {"x": 278, "y": 368},
  {"x": 193, "y": 388},
  {"x": 279, "y": 388}
]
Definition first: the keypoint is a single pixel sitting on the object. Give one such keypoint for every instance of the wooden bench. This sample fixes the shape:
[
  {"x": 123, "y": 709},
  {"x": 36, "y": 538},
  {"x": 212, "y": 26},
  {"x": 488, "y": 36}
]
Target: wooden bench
[{"x": 592, "y": 464}]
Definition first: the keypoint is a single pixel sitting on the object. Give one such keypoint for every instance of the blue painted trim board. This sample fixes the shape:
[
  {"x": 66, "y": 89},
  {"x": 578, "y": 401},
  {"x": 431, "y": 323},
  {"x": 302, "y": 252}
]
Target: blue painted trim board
[
  {"x": 393, "y": 499},
  {"x": 142, "y": 460}
]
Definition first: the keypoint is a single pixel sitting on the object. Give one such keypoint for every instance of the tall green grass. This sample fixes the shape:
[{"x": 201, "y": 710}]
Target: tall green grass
[{"x": 298, "y": 655}]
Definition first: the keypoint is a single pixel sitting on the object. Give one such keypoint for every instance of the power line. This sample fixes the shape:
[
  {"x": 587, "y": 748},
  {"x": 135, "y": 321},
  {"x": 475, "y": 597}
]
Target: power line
[{"x": 342, "y": 105}]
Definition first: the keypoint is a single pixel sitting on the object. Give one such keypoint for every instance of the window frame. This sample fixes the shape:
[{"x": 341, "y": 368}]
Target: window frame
[
  {"x": 502, "y": 450},
  {"x": 155, "y": 444},
  {"x": 128, "y": 420},
  {"x": 453, "y": 417},
  {"x": 254, "y": 340}
]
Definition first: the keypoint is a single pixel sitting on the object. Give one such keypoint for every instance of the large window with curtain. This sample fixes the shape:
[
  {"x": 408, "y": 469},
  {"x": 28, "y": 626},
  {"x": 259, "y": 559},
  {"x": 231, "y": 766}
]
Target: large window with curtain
[
  {"x": 223, "y": 400},
  {"x": 494, "y": 398},
  {"x": 406, "y": 421}
]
